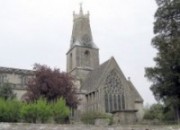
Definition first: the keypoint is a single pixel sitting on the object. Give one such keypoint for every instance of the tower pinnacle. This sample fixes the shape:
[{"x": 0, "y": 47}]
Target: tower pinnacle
[
  {"x": 81, "y": 33},
  {"x": 81, "y": 9}
]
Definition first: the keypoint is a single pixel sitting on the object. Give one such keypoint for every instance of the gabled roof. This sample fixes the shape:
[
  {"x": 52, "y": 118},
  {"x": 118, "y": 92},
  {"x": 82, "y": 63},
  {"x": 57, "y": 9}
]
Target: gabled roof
[
  {"x": 91, "y": 82},
  {"x": 94, "y": 78},
  {"x": 135, "y": 93}
]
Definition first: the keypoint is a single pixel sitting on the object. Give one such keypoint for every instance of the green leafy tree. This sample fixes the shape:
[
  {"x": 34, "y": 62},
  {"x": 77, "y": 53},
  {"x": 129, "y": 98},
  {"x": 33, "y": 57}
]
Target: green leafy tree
[
  {"x": 165, "y": 76},
  {"x": 6, "y": 91}
]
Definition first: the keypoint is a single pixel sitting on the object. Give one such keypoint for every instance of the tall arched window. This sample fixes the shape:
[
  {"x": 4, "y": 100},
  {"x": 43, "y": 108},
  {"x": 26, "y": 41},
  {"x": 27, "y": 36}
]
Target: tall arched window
[{"x": 114, "y": 93}]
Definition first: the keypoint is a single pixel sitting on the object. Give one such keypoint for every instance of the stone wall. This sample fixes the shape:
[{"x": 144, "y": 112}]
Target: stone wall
[
  {"x": 21, "y": 126},
  {"x": 19, "y": 93}
]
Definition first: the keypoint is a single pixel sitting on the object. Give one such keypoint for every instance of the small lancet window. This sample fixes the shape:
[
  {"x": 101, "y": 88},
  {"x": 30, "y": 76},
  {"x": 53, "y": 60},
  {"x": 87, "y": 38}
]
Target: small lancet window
[
  {"x": 87, "y": 53},
  {"x": 87, "y": 58}
]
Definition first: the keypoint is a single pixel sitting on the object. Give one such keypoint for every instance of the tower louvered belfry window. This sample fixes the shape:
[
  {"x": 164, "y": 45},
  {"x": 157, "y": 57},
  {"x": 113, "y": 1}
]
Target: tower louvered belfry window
[
  {"x": 114, "y": 93},
  {"x": 87, "y": 58}
]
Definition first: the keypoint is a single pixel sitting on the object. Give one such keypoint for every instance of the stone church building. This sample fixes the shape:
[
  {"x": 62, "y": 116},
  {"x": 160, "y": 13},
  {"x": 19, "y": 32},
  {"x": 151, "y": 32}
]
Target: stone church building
[{"x": 101, "y": 87}]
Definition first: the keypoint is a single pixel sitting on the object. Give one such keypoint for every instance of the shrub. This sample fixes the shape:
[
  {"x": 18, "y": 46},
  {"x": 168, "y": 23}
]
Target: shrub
[
  {"x": 60, "y": 111},
  {"x": 155, "y": 112},
  {"x": 36, "y": 111},
  {"x": 10, "y": 110},
  {"x": 160, "y": 113},
  {"x": 90, "y": 117},
  {"x": 39, "y": 111},
  {"x": 13, "y": 107},
  {"x": 29, "y": 112},
  {"x": 3, "y": 111},
  {"x": 44, "y": 111}
]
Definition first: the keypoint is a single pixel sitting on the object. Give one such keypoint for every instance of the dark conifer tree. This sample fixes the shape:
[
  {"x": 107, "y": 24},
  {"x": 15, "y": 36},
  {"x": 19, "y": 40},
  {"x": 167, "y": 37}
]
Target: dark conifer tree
[{"x": 165, "y": 75}]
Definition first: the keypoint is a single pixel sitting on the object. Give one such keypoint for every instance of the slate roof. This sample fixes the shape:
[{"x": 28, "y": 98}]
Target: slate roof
[
  {"x": 16, "y": 71},
  {"x": 91, "y": 82},
  {"x": 135, "y": 93}
]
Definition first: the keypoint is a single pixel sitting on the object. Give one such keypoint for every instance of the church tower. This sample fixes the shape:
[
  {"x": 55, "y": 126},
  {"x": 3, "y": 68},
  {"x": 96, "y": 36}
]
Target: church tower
[{"x": 83, "y": 55}]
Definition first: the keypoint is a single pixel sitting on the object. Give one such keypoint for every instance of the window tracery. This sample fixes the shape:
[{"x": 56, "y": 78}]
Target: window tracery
[
  {"x": 113, "y": 83},
  {"x": 114, "y": 93}
]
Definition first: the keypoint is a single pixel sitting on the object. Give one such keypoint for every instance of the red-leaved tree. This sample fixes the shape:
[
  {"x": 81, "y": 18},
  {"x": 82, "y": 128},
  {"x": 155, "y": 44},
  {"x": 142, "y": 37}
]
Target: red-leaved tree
[{"x": 51, "y": 84}]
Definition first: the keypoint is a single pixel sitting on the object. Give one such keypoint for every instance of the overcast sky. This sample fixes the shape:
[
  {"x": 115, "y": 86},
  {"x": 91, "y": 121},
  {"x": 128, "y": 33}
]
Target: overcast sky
[{"x": 39, "y": 31}]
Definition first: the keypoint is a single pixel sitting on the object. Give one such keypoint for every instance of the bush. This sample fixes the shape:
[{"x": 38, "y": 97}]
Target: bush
[
  {"x": 155, "y": 112},
  {"x": 29, "y": 112},
  {"x": 60, "y": 111},
  {"x": 37, "y": 111},
  {"x": 44, "y": 111},
  {"x": 160, "y": 113},
  {"x": 9, "y": 110},
  {"x": 168, "y": 115},
  {"x": 2, "y": 110},
  {"x": 90, "y": 117},
  {"x": 13, "y": 107}
]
